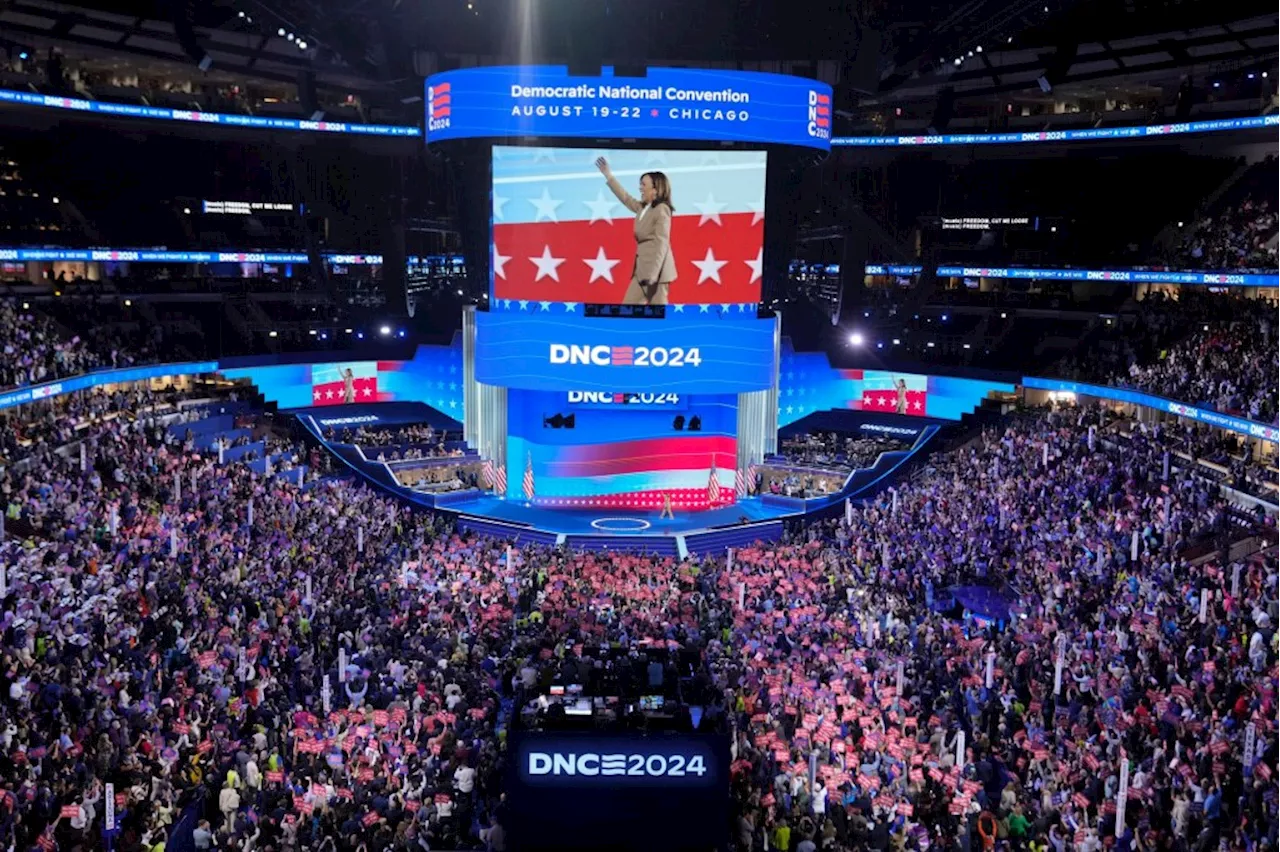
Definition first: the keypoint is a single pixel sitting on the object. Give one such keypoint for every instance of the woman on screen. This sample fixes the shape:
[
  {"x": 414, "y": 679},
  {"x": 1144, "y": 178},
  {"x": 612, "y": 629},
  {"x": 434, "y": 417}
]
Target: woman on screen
[
  {"x": 348, "y": 387},
  {"x": 655, "y": 267},
  {"x": 901, "y": 386}
]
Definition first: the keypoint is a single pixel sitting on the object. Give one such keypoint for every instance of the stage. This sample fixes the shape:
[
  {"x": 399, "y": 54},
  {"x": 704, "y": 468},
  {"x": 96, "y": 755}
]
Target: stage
[{"x": 624, "y": 522}]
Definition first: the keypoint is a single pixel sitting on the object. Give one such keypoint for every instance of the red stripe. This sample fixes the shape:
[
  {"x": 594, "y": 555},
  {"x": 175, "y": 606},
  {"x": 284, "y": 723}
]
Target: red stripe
[
  {"x": 439, "y": 111},
  {"x": 442, "y": 87},
  {"x": 824, "y": 99},
  {"x": 735, "y": 241}
]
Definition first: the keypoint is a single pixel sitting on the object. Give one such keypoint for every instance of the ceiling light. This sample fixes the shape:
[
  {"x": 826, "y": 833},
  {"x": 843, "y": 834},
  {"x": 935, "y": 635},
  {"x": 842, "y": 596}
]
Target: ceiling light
[
  {"x": 280, "y": 32},
  {"x": 273, "y": 334},
  {"x": 958, "y": 60},
  {"x": 56, "y": 199},
  {"x": 978, "y": 48},
  {"x": 241, "y": 14},
  {"x": 855, "y": 339},
  {"x": 302, "y": 45},
  {"x": 128, "y": 303},
  {"x": 313, "y": 332},
  {"x": 186, "y": 210},
  {"x": 385, "y": 330},
  {"x": 896, "y": 341},
  {"x": 289, "y": 36}
]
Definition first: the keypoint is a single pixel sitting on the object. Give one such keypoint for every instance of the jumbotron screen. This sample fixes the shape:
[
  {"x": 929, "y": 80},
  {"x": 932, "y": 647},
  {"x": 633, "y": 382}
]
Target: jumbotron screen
[{"x": 632, "y": 227}]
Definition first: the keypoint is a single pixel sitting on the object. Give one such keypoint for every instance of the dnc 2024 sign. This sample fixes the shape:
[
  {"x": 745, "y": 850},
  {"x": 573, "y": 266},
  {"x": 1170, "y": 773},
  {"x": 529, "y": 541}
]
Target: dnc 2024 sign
[{"x": 669, "y": 103}]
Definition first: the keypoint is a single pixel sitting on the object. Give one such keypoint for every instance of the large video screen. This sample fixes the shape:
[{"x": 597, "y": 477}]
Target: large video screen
[
  {"x": 623, "y": 450},
  {"x": 633, "y": 227}
]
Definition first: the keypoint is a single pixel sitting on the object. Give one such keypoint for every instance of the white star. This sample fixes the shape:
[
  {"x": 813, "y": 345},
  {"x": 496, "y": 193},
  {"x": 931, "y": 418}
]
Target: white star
[
  {"x": 916, "y": 405},
  {"x": 506, "y": 303},
  {"x": 724, "y": 309},
  {"x": 500, "y": 263},
  {"x": 570, "y": 307},
  {"x": 328, "y": 394},
  {"x": 498, "y": 203},
  {"x": 710, "y": 210},
  {"x": 679, "y": 309},
  {"x": 524, "y": 304},
  {"x": 319, "y": 393},
  {"x": 601, "y": 208},
  {"x": 368, "y": 391},
  {"x": 601, "y": 266},
  {"x": 709, "y": 267},
  {"x": 546, "y": 306},
  {"x": 757, "y": 210},
  {"x": 704, "y": 309},
  {"x": 755, "y": 266},
  {"x": 548, "y": 266},
  {"x": 546, "y": 206},
  {"x": 547, "y": 154}
]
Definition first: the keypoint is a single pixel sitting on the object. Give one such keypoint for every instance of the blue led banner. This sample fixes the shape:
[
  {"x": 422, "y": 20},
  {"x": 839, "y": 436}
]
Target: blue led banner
[
  {"x": 1132, "y": 276},
  {"x": 8, "y": 96},
  {"x": 49, "y": 255},
  {"x": 1084, "y": 135},
  {"x": 695, "y": 104},
  {"x": 48, "y": 390},
  {"x": 692, "y": 353},
  {"x": 1181, "y": 409}
]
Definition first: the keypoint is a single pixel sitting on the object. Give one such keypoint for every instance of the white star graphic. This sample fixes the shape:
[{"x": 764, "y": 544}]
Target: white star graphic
[
  {"x": 498, "y": 204},
  {"x": 757, "y": 210},
  {"x": 916, "y": 405},
  {"x": 679, "y": 309},
  {"x": 319, "y": 393},
  {"x": 601, "y": 209},
  {"x": 545, "y": 206},
  {"x": 546, "y": 306},
  {"x": 548, "y": 266},
  {"x": 524, "y": 304},
  {"x": 601, "y": 266},
  {"x": 547, "y": 154},
  {"x": 328, "y": 394},
  {"x": 725, "y": 308},
  {"x": 570, "y": 307},
  {"x": 709, "y": 267},
  {"x": 756, "y": 266},
  {"x": 500, "y": 263},
  {"x": 710, "y": 210},
  {"x": 704, "y": 309},
  {"x": 368, "y": 391}
]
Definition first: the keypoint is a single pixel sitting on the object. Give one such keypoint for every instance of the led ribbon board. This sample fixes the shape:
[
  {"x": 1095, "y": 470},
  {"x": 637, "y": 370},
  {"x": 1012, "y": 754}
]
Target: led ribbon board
[{"x": 692, "y": 104}]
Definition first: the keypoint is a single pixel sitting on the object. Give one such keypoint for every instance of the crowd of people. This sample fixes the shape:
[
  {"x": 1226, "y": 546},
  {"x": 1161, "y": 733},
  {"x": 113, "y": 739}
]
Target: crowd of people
[
  {"x": 253, "y": 663},
  {"x": 836, "y": 451},
  {"x": 1239, "y": 235},
  {"x": 35, "y": 350}
]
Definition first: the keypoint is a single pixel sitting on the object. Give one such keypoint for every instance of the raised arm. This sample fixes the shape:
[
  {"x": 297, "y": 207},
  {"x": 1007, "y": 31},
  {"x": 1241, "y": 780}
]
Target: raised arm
[{"x": 616, "y": 188}]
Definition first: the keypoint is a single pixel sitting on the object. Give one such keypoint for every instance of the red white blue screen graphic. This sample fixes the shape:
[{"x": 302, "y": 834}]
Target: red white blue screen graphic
[
  {"x": 344, "y": 383},
  {"x": 616, "y": 457},
  {"x": 560, "y": 234}
]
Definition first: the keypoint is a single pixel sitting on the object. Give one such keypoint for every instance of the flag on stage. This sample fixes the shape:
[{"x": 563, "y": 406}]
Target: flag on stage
[
  {"x": 500, "y": 485},
  {"x": 528, "y": 478},
  {"x": 740, "y": 483},
  {"x": 713, "y": 486}
]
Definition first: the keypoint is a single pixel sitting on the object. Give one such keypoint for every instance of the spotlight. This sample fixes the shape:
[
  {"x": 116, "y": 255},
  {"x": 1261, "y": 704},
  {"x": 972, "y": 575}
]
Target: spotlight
[
  {"x": 944, "y": 317},
  {"x": 967, "y": 346},
  {"x": 1179, "y": 224},
  {"x": 402, "y": 332},
  {"x": 302, "y": 45},
  {"x": 1053, "y": 229},
  {"x": 1009, "y": 40},
  {"x": 280, "y": 32},
  {"x": 958, "y": 60},
  {"x": 313, "y": 332},
  {"x": 347, "y": 330},
  {"x": 240, "y": 14},
  {"x": 186, "y": 211},
  {"x": 897, "y": 342},
  {"x": 978, "y": 48},
  {"x": 856, "y": 339},
  {"x": 1251, "y": 75},
  {"x": 273, "y": 334},
  {"x": 128, "y": 303},
  {"x": 385, "y": 330},
  {"x": 1003, "y": 315},
  {"x": 289, "y": 36},
  {"x": 57, "y": 200},
  {"x": 880, "y": 345},
  {"x": 1217, "y": 85},
  {"x": 26, "y": 306},
  {"x": 360, "y": 335},
  {"x": 459, "y": 292},
  {"x": 971, "y": 53},
  {"x": 24, "y": 56},
  {"x": 324, "y": 335},
  {"x": 930, "y": 344}
]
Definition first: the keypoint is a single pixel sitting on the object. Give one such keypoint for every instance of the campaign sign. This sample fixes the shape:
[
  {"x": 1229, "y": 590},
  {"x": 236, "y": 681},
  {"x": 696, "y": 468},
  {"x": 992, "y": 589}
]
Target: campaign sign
[
  {"x": 695, "y": 104},
  {"x": 689, "y": 353},
  {"x": 618, "y": 791}
]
